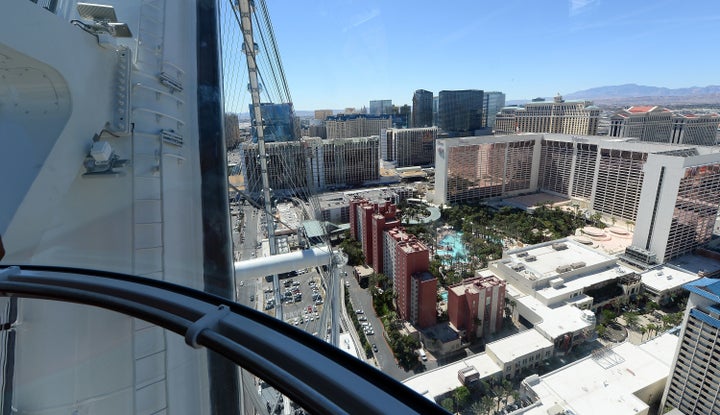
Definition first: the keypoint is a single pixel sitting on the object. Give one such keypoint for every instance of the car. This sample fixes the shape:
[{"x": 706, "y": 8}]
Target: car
[
  {"x": 369, "y": 332},
  {"x": 252, "y": 297},
  {"x": 374, "y": 347},
  {"x": 242, "y": 283},
  {"x": 362, "y": 318},
  {"x": 359, "y": 311}
]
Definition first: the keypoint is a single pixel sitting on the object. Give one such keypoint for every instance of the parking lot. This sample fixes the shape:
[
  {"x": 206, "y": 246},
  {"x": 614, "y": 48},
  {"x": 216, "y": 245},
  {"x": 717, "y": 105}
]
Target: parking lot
[{"x": 303, "y": 299}]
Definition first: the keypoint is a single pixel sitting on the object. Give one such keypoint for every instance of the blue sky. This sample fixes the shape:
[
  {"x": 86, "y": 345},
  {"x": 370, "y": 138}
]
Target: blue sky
[{"x": 343, "y": 53}]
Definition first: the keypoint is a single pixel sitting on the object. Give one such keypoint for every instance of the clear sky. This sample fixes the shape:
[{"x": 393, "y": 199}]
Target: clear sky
[{"x": 344, "y": 53}]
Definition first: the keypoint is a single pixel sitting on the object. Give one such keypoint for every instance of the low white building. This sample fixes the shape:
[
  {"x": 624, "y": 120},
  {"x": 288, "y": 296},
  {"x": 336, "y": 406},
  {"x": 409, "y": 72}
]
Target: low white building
[
  {"x": 436, "y": 383},
  {"x": 564, "y": 271},
  {"x": 623, "y": 380},
  {"x": 526, "y": 349},
  {"x": 662, "y": 282},
  {"x": 564, "y": 326}
]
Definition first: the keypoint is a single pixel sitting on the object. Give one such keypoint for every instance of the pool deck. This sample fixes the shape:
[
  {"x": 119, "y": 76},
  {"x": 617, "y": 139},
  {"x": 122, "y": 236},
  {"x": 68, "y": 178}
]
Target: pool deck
[{"x": 453, "y": 239}]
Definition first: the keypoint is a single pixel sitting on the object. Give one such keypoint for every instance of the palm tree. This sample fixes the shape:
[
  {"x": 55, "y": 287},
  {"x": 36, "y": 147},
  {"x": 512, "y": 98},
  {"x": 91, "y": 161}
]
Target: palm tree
[
  {"x": 651, "y": 328},
  {"x": 487, "y": 404},
  {"x": 631, "y": 319}
]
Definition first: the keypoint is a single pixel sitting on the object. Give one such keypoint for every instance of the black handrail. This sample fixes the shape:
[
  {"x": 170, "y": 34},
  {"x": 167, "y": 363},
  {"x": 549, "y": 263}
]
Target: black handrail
[{"x": 311, "y": 372}]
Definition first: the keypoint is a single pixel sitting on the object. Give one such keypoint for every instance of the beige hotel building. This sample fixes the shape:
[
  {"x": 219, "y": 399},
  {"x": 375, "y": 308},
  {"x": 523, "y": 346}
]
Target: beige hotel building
[{"x": 676, "y": 186}]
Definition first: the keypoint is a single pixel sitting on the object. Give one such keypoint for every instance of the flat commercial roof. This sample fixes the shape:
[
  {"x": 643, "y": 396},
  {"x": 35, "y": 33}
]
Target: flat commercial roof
[
  {"x": 330, "y": 200},
  {"x": 696, "y": 264},
  {"x": 518, "y": 345},
  {"x": 556, "y": 321},
  {"x": 607, "y": 380},
  {"x": 313, "y": 229},
  {"x": 664, "y": 278},
  {"x": 545, "y": 260},
  {"x": 582, "y": 281},
  {"x": 444, "y": 379},
  {"x": 363, "y": 270}
]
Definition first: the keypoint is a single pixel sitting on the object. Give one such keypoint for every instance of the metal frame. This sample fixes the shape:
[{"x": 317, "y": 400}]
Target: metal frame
[{"x": 312, "y": 373}]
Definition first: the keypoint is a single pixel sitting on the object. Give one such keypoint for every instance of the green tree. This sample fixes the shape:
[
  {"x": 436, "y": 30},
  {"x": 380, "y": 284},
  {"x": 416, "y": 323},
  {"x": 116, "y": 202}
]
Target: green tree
[
  {"x": 462, "y": 396},
  {"x": 652, "y": 329},
  {"x": 601, "y": 330},
  {"x": 368, "y": 350},
  {"x": 488, "y": 403},
  {"x": 507, "y": 390},
  {"x": 608, "y": 316},
  {"x": 448, "y": 404},
  {"x": 379, "y": 280},
  {"x": 671, "y": 320},
  {"x": 631, "y": 318},
  {"x": 404, "y": 347},
  {"x": 353, "y": 250}
]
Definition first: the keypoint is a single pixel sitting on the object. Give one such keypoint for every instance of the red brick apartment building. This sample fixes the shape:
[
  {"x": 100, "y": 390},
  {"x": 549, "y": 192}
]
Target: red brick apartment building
[{"x": 476, "y": 305}]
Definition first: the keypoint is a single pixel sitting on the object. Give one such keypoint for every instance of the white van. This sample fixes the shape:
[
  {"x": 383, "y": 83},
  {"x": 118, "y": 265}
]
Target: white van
[{"x": 422, "y": 354}]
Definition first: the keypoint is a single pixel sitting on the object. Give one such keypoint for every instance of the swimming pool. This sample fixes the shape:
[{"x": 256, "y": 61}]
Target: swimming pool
[{"x": 457, "y": 253}]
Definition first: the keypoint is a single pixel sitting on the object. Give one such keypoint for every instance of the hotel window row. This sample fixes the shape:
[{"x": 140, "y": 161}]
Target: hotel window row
[{"x": 619, "y": 183}]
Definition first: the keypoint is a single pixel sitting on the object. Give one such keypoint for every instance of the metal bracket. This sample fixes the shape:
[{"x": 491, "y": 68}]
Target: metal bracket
[
  {"x": 208, "y": 321},
  {"x": 9, "y": 272}
]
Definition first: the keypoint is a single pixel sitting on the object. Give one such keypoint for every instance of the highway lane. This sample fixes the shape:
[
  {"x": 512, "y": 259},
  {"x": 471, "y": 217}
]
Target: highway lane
[{"x": 247, "y": 288}]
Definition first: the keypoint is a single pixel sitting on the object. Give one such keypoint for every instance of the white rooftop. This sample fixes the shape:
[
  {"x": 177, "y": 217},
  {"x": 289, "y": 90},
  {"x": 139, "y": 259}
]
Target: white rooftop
[
  {"x": 444, "y": 379},
  {"x": 346, "y": 343},
  {"x": 607, "y": 383},
  {"x": 579, "y": 282},
  {"x": 556, "y": 321},
  {"x": 518, "y": 345},
  {"x": 541, "y": 261},
  {"x": 664, "y": 278}
]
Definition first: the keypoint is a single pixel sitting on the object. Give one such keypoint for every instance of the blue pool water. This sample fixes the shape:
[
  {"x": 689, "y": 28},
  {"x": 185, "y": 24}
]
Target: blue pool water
[
  {"x": 458, "y": 251},
  {"x": 443, "y": 295}
]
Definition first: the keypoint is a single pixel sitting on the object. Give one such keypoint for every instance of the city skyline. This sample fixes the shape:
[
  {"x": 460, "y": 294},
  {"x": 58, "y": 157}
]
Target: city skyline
[{"x": 344, "y": 55}]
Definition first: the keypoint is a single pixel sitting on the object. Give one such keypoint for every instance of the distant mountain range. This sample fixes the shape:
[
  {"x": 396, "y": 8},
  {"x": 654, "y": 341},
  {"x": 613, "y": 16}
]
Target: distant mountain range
[
  {"x": 635, "y": 90},
  {"x": 634, "y": 94}
]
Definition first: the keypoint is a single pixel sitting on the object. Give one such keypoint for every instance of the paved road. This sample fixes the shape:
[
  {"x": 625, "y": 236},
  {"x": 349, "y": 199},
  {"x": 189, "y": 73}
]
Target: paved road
[
  {"x": 361, "y": 299},
  {"x": 245, "y": 246}
]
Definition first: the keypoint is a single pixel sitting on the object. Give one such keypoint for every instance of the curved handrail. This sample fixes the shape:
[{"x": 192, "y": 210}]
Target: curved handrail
[{"x": 309, "y": 371}]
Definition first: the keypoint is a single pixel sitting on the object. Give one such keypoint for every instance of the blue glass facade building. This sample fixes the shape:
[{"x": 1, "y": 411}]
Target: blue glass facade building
[
  {"x": 460, "y": 112},
  {"x": 279, "y": 122}
]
